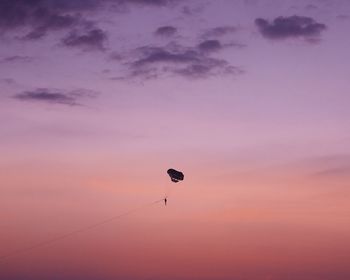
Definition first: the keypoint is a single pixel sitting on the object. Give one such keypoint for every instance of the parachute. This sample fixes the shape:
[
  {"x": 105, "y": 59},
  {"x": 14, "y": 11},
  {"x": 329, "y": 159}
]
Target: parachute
[{"x": 175, "y": 175}]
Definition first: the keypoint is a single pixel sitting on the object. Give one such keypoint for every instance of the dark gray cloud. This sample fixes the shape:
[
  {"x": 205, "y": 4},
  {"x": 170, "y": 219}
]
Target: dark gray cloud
[
  {"x": 40, "y": 16},
  {"x": 219, "y": 31},
  {"x": 208, "y": 68},
  {"x": 35, "y": 34},
  {"x": 290, "y": 27},
  {"x": 210, "y": 46},
  {"x": 148, "y": 2},
  {"x": 153, "y": 55},
  {"x": 173, "y": 59},
  {"x": 50, "y": 96},
  {"x": 144, "y": 73},
  {"x": 166, "y": 31},
  {"x": 57, "y": 13},
  {"x": 33, "y": 19},
  {"x": 87, "y": 40},
  {"x": 45, "y": 95},
  {"x": 16, "y": 58}
]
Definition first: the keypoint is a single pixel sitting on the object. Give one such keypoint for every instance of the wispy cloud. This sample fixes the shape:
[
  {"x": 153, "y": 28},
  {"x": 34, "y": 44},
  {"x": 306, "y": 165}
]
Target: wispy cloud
[
  {"x": 87, "y": 40},
  {"x": 8, "y": 81},
  {"x": 16, "y": 58},
  {"x": 173, "y": 59},
  {"x": 337, "y": 171},
  {"x": 311, "y": 7},
  {"x": 50, "y": 96},
  {"x": 219, "y": 31},
  {"x": 332, "y": 166},
  {"x": 343, "y": 17}
]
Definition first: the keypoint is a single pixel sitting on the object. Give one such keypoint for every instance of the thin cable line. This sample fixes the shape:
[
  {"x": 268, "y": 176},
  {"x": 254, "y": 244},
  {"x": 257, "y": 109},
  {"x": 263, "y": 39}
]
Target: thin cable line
[{"x": 83, "y": 229}]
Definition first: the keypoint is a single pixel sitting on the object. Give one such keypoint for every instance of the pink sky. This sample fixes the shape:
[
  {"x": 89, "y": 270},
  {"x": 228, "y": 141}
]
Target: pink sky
[{"x": 97, "y": 108}]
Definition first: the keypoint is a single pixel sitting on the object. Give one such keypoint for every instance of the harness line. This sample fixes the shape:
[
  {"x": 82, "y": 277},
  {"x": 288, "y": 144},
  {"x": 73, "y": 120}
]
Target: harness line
[{"x": 83, "y": 229}]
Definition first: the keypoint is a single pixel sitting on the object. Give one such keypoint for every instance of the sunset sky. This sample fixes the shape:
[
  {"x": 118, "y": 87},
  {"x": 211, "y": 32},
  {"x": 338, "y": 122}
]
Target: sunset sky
[{"x": 249, "y": 98}]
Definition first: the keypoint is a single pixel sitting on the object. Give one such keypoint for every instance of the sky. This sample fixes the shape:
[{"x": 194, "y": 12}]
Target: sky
[{"x": 249, "y": 98}]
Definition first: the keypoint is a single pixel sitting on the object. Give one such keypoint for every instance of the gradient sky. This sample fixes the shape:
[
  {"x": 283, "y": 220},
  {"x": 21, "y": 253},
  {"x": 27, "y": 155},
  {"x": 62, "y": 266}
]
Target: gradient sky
[{"x": 249, "y": 98}]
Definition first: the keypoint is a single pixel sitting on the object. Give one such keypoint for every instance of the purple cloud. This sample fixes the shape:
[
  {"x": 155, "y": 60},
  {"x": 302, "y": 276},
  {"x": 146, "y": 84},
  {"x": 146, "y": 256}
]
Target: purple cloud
[
  {"x": 40, "y": 16},
  {"x": 290, "y": 27},
  {"x": 56, "y": 14},
  {"x": 219, "y": 31},
  {"x": 152, "y": 55},
  {"x": 45, "y": 95},
  {"x": 311, "y": 7},
  {"x": 343, "y": 17},
  {"x": 8, "y": 81},
  {"x": 166, "y": 31},
  {"x": 334, "y": 165},
  {"x": 210, "y": 46},
  {"x": 148, "y": 2},
  {"x": 174, "y": 59},
  {"x": 16, "y": 58},
  {"x": 88, "y": 40}
]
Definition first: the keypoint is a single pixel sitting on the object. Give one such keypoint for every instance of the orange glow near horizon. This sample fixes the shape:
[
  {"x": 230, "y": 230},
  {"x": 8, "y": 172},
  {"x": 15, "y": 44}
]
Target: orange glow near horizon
[{"x": 254, "y": 219}]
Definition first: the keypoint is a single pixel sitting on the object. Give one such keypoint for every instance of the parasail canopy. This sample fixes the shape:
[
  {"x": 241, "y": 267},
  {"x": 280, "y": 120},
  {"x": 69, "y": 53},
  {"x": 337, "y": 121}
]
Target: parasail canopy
[{"x": 175, "y": 175}]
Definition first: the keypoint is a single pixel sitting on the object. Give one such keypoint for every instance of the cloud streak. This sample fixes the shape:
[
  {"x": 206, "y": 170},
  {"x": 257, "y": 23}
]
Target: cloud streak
[
  {"x": 16, "y": 58},
  {"x": 49, "y": 96},
  {"x": 219, "y": 31},
  {"x": 333, "y": 166}
]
